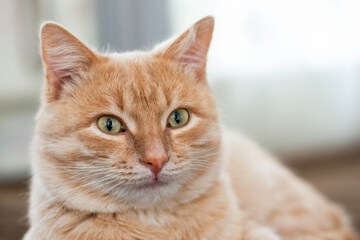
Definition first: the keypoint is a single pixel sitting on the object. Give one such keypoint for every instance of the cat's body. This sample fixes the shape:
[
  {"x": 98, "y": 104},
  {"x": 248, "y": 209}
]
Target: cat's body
[{"x": 203, "y": 184}]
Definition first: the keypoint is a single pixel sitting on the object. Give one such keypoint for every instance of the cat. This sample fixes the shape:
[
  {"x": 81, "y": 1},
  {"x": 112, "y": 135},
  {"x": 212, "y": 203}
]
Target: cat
[{"x": 129, "y": 146}]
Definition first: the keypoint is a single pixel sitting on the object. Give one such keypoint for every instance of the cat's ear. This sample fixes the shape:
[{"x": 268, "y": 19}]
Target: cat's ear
[
  {"x": 64, "y": 56},
  {"x": 191, "y": 48}
]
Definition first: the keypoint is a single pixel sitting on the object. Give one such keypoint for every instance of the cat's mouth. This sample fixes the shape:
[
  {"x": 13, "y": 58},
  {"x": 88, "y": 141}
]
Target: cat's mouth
[{"x": 154, "y": 183}]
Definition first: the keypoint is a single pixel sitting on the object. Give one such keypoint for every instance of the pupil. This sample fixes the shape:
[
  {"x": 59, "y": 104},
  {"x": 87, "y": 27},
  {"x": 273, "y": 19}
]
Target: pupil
[
  {"x": 109, "y": 124},
  {"x": 177, "y": 117}
]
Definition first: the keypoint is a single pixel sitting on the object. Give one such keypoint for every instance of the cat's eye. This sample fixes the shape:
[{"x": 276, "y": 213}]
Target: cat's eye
[
  {"x": 109, "y": 124},
  {"x": 178, "y": 118}
]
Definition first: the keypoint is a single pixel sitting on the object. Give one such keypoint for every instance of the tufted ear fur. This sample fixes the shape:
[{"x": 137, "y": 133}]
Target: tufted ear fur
[
  {"x": 191, "y": 48},
  {"x": 64, "y": 57}
]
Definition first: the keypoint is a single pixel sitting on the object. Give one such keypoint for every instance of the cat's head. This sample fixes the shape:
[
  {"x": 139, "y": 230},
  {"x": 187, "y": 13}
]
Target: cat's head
[{"x": 135, "y": 129}]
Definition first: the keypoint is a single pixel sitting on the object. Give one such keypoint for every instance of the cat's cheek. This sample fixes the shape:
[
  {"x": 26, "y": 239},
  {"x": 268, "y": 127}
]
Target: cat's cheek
[
  {"x": 184, "y": 133},
  {"x": 97, "y": 140},
  {"x": 96, "y": 132}
]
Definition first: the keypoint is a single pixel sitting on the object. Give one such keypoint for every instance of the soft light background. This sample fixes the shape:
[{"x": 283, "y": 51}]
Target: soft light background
[{"x": 284, "y": 72}]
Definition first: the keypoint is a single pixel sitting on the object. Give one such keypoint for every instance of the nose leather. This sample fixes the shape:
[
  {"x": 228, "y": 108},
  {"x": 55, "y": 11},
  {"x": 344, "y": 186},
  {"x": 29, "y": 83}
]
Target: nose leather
[{"x": 154, "y": 158}]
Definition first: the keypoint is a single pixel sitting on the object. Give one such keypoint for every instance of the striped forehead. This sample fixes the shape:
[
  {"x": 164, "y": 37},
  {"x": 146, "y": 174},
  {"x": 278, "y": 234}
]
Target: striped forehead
[
  {"x": 139, "y": 95},
  {"x": 142, "y": 90}
]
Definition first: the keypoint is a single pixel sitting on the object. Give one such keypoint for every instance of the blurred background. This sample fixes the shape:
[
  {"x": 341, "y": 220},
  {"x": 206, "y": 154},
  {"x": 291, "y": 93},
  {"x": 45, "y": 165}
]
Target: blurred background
[{"x": 284, "y": 72}]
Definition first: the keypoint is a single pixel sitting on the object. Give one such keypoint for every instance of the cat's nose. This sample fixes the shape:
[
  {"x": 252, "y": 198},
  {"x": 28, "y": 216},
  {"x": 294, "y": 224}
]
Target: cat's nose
[{"x": 154, "y": 160}]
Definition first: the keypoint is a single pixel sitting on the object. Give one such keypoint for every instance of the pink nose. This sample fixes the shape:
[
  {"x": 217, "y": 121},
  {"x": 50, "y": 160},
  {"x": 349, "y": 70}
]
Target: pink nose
[{"x": 154, "y": 160}]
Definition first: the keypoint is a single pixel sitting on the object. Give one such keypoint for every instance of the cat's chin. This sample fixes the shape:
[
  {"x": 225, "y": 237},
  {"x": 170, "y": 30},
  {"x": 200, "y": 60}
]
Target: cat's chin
[
  {"x": 155, "y": 186},
  {"x": 149, "y": 194}
]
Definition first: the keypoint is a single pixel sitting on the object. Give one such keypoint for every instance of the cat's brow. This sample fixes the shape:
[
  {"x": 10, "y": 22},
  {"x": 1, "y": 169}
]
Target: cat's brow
[{"x": 125, "y": 117}]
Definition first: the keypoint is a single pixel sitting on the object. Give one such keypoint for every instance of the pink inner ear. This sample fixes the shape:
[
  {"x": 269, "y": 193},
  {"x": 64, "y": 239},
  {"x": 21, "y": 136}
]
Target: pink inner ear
[
  {"x": 61, "y": 64},
  {"x": 195, "y": 55},
  {"x": 58, "y": 72}
]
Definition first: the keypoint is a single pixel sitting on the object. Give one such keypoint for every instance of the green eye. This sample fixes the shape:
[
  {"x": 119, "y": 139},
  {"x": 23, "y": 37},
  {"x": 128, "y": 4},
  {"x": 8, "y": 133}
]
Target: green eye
[
  {"x": 110, "y": 125},
  {"x": 178, "y": 118}
]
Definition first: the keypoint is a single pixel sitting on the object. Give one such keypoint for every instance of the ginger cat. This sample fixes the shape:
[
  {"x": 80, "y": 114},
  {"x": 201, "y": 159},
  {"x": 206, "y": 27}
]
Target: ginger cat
[{"x": 128, "y": 146}]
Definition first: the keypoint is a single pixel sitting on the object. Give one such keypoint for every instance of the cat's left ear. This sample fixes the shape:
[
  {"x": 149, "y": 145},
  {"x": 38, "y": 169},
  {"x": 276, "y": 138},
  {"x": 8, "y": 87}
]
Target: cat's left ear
[
  {"x": 191, "y": 48},
  {"x": 65, "y": 58}
]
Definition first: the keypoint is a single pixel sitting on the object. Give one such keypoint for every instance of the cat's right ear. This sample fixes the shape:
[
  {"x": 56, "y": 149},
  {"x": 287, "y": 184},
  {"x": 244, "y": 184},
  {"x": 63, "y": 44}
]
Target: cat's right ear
[
  {"x": 190, "y": 49},
  {"x": 64, "y": 56}
]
